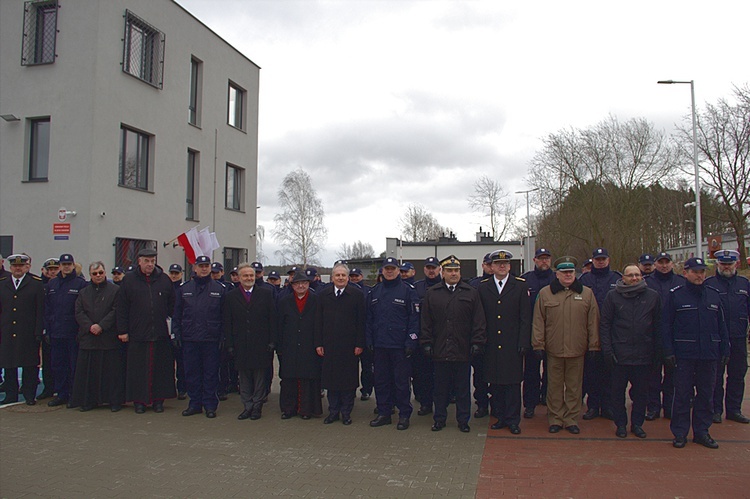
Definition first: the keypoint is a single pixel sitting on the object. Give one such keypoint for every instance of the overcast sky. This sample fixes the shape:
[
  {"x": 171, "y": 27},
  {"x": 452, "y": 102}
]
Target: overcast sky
[{"x": 386, "y": 103}]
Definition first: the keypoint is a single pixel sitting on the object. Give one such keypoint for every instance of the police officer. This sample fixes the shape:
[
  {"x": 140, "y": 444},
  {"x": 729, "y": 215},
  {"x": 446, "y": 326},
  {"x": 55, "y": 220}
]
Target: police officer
[
  {"x": 586, "y": 267},
  {"x": 392, "y": 332},
  {"x": 486, "y": 271},
  {"x": 661, "y": 389},
  {"x": 62, "y": 328},
  {"x": 481, "y": 387},
  {"x": 597, "y": 375},
  {"x": 217, "y": 273},
  {"x": 234, "y": 277},
  {"x": 365, "y": 359},
  {"x": 273, "y": 279},
  {"x": 315, "y": 281},
  {"x": 50, "y": 269},
  {"x": 117, "y": 274},
  {"x": 534, "y": 383},
  {"x": 646, "y": 264},
  {"x": 735, "y": 297},
  {"x": 175, "y": 275},
  {"x": 696, "y": 344},
  {"x": 197, "y": 328},
  {"x": 407, "y": 272},
  {"x": 423, "y": 371}
]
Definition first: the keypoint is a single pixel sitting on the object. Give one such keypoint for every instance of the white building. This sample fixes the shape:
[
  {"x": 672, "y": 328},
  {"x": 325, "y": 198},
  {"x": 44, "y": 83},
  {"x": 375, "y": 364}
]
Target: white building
[{"x": 133, "y": 115}]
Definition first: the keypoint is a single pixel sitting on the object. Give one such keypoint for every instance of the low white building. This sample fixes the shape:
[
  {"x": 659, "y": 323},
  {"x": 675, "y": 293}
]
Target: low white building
[{"x": 134, "y": 118}]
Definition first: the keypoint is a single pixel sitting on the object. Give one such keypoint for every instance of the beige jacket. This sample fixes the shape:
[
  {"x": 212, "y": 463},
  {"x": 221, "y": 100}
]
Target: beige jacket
[{"x": 566, "y": 323}]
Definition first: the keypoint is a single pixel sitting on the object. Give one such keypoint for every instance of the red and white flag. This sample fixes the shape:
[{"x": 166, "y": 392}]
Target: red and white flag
[{"x": 190, "y": 243}]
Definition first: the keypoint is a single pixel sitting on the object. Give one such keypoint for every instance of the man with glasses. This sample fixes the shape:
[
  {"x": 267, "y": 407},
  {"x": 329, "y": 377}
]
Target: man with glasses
[
  {"x": 735, "y": 297},
  {"x": 630, "y": 336}
]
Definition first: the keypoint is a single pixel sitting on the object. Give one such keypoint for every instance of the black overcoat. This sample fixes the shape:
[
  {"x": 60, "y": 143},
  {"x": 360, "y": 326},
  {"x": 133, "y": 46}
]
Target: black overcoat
[
  {"x": 143, "y": 305},
  {"x": 339, "y": 329},
  {"x": 296, "y": 341},
  {"x": 508, "y": 317},
  {"x": 21, "y": 321},
  {"x": 249, "y": 328},
  {"x": 97, "y": 305}
]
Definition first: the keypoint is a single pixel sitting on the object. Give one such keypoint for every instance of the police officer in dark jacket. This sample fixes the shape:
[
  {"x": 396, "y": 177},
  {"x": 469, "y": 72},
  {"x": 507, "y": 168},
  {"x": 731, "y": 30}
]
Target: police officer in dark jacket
[
  {"x": 62, "y": 328},
  {"x": 51, "y": 268},
  {"x": 452, "y": 328},
  {"x": 597, "y": 376},
  {"x": 481, "y": 387},
  {"x": 365, "y": 359},
  {"x": 422, "y": 368},
  {"x": 197, "y": 329},
  {"x": 175, "y": 275},
  {"x": 661, "y": 389},
  {"x": 696, "y": 343},
  {"x": 630, "y": 337},
  {"x": 392, "y": 332},
  {"x": 535, "y": 383},
  {"x": 735, "y": 297}
]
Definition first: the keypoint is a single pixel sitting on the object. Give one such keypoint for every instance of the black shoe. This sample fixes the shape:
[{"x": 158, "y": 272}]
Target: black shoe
[
  {"x": 254, "y": 416},
  {"x": 651, "y": 415},
  {"x": 528, "y": 413},
  {"x": 181, "y": 395},
  {"x": 244, "y": 415},
  {"x": 45, "y": 395},
  {"x": 331, "y": 418},
  {"x": 286, "y": 415},
  {"x": 574, "y": 429},
  {"x": 71, "y": 405},
  {"x": 498, "y": 425},
  {"x": 210, "y": 414},
  {"x": 452, "y": 399},
  {"x": 716, "y": 418},
  {"x": 591, "y": 414},
  {"x": 346, "y": 421},
  {"x": 706, "y": 441},
  {"x": 481, "y": 412},
  {"x": 403, "y": 424},
  {"x": 514, "y": 429},
  {"x": 438, "y": 425},
  {"x": 158, "y": 406},
  {"x": 424, "y": 410},
  {"x": 638, "y": 431},
  {"x": 86, "y": 408},
  {"x": 139, "y": 408},
  {"x": 8, "y": 400},
  {"x": 380, "y": 421},
  {"x": 305, "y": 417},
  {"x": 555, "y": 428},
  {"x": 222, "y": 396},
  {"x": 191, "y": 411},
  {"x": 30, "y": 402},
  {"x": 464, "y": 427},
  {"x": 738, "y": 417},
  {"x": 115, "y": 408},
  {"x": 364, "y": 396},
  {"x": 679, "y": 442},
  {"x": 55, "y": 402},
  {"x": 621, "y": 432},
  {"x": 607, "y": 414}
]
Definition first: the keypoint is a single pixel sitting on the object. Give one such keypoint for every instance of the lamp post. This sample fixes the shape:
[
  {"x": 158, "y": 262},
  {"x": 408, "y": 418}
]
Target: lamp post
[
  {"x": 698, "y": 224},
  {"x": 527, "y": 256}
]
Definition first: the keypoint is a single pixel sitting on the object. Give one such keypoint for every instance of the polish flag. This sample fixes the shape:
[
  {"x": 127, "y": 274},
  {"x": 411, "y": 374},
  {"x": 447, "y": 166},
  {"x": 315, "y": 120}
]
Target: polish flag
[{"x": 190, "y": 243}]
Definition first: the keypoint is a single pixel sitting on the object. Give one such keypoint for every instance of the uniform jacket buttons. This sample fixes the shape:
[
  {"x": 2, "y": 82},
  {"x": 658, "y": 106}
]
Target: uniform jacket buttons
[{"x": 499, "y": 347}]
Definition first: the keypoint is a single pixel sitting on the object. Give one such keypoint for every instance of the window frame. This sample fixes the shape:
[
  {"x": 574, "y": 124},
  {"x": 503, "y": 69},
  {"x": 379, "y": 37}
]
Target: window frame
[
  {"x": 32, "y": 166},
  {"x": 36, "y": 13},
  {"x": 236, "y": 112},
  {"x": 192, "y": 187},
  {"x": 237, "y": 188},
  {"x": 195, "y": 91},
  {"x": 141, "y": 154},
  {"x": 150, "y": 43}
]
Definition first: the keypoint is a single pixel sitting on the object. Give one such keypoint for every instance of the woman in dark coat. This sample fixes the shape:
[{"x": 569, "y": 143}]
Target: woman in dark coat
[
  {"x": 299, "y": 362},
  {"x": 99, "y": 374},
  {"x": 340, "y": 339}
]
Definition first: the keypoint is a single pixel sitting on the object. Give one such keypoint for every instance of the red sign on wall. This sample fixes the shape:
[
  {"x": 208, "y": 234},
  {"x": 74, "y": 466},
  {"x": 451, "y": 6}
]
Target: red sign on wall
[{"x": 61, "y": 228}]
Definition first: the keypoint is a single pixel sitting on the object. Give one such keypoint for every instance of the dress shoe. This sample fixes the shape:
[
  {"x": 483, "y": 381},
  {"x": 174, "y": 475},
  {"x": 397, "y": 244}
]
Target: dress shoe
[
  {"x": 528, "y": 413},
  {"x": 514, "y": 429},
  {"x": 607, "y": 414},
  {"x": 115, "y": 408},
  {"x": 365, "y": 396},
  {"x": 346, "y": 421},
  {"x": 286, "y": 415},
  {"x": 181, "y": 395},
  {"x": 158, "y": 406},
  {"x": 56, "y": 401},
  {"x": 574, "y": 429},
  {"x": 738, "y": 417},
  {"x": 191, "y": 411},
  {"x": 621, "y": 432},
  {"x": 651, "y": 415},
  {"x": 30, "y": 402},
  {"x": 555, "y": 428},
  {"x": 638, "y": 431},
  {"x": 45, "y": 395},
  {"x": 716, "y": 418},
  {"x": 481, "y": 412},
  {"x": 403, "y": 424},
  {"x": 706, "y": 441},
  {"x": 591, "y": 414},
  {"x": 210, "y": 414},
  {"x": 380, "y": 421},
  {"x": 438, "y": 425},
  {"x": 464, "y": 427},
  {"x": 71, "y": 405},
  {"x": 222, "y": 396},
  {"x": 424, "y": 410},
  {"x": 498, "y": 425},
  {"x": 139, "y": 408},
  {"x": 86, "y": 408},
  {"x": 254, "y": 416},
  {"x": 305, "y": 417},
  {"x": 679, "y": 442},
  {"x": 331, "y": 418},
  {"x": 243, "y": 415}
]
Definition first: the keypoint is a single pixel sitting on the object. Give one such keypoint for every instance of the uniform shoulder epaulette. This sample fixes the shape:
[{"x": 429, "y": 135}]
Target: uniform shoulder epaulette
[
  {"x": 520, "y": 279},
  {"x": 410, "y": 285},
  {"x": 3, "y": 278},
  {"x": 37, "y": 278},
  {"x": 676, "y": 288},
  {"x": 711, "y": 287},
  {"x": 485, "y": 279}
]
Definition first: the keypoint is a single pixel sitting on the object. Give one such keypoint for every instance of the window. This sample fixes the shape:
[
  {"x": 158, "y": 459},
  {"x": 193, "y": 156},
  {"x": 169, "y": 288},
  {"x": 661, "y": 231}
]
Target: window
[
  {"x": 236, "y": 109},
  {"x": 39, "y": 149},
  {"x": 235, "y": 181},
  {"x": 135, "y": 157},
  {"x": 192, "y": 185},
  {"x": 143, "y": 51},
  {"x": 39, "y": 32},
  {"x": 196, "y": 87},
  {"x": 233, "y": 257},
  {"x": 126, "y": 250}
]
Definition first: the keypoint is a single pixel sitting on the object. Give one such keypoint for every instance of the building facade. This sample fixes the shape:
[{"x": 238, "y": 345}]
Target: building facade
[{"x": 124, "y": 123}]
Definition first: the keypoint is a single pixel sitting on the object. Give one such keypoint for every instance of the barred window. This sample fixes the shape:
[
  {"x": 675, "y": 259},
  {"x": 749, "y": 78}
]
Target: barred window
[
  {"x": 143, "y": 50},
  {"x": 126, "y": 250},
  {"x": 39, "y": 32},
  {"x": 135, "y": 155},
  {"x": 233, "y": 257}
]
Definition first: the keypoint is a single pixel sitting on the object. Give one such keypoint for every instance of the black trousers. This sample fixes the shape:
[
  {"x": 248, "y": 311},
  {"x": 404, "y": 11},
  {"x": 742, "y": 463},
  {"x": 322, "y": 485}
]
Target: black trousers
[
  {"x": 638, "y": 377},
  {"x": 452, "y": 378},
  {"x": 481, "y": 387},
  {"x": 736, "y": 371},
  {"x": 341, "y": 402},
  {"x": 30, "y": 380},
  {"x": 506, "y": 403}
]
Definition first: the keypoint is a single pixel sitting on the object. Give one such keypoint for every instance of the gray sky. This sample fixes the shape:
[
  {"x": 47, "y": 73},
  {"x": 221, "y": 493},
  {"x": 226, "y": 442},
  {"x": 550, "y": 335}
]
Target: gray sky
[{"x": 386, "y": 103}]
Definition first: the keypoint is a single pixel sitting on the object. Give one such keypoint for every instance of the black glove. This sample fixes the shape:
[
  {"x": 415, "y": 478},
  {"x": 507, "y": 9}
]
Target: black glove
[
  {"x": 592, "y": 354},
  {"x": 522, "y": 350},
  {"x": 408, "y": 351},
  {"x": 271, "y": 347},
  {"x": 476, "y": 350},
  {"x": 539, "y": 354},
  {"x": 724, "y": 361},
  {"x": 427, "y": 349},
  {"x": 176, "y": 342},
  {"x": 670, "y": 361}
]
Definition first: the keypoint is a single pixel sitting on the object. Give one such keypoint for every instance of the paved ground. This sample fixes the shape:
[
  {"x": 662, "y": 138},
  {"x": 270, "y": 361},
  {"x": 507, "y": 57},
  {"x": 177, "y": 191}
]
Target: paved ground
[{"x": 101, "y": 454}]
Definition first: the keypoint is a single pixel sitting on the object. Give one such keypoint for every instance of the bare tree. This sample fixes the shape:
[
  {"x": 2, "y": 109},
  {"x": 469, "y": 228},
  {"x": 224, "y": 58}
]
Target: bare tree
[
  {"x": 418, "y": 224},
  {"x": 723, "y": 142},
  {"x": 260, "y": 236},
  {"x": 492, "y": 200},
  {"x": 356, "y": 251},
  {"x": 299, "y": 227}
]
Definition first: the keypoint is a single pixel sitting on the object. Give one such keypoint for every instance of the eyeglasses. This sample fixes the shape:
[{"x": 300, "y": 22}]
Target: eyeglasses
[
  {"x": 100, "y": 272},
  {"x": 632, "y": 275}
]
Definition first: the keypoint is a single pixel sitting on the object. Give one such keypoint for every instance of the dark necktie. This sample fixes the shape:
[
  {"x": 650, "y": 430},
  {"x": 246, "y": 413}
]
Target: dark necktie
[
  {"x": 18, "y": 283},
  {"x": 452, "y": 288},
  {"x": 338, "y": 293}
]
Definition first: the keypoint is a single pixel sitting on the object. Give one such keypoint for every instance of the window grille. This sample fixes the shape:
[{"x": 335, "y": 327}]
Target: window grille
[
  {"x": 126, "y": 250},
  {"x": 39, "y": 32},
  {"x": 143, "y": 50}
]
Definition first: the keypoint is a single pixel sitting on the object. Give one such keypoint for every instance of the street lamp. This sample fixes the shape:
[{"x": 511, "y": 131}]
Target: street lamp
[
  {"x": 698, "y": 225},
  {"x": 527, "y": 259}
]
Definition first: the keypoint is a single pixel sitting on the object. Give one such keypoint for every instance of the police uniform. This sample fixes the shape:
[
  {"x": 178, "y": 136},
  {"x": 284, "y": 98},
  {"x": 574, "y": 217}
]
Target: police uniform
[
  {"x": 422, "y": 369},
  {"x": 365, "y": 358},
  {"x": 481, "y": 387}
]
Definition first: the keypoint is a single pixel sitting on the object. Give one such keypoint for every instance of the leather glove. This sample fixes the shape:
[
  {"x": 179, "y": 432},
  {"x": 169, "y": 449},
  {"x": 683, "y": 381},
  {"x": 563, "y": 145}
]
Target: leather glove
[
  {"x": 476, "y": 350},
  {"x": 271, "y": 347},
  {"x": 408, "y": 351},
  {"x": 522, "y": 350},
  {"x": 670, "y": 361},
  {"x": 539, "y": 354},
  {"x": 427, "y": 349},
  {"x": 724, "y": 361},
  {"x": 177, "y": 343}
]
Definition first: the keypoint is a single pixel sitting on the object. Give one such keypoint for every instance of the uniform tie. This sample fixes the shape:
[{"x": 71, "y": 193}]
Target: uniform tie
[
  {"x": 452, "y": 288},
  {"x": 338, "y": 293},
  {"x": 18, "y": 282}
]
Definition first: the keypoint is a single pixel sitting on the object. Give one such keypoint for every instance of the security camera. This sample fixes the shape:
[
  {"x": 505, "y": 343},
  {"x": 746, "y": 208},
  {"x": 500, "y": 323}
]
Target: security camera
[{"x": 102, "y": 214}]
